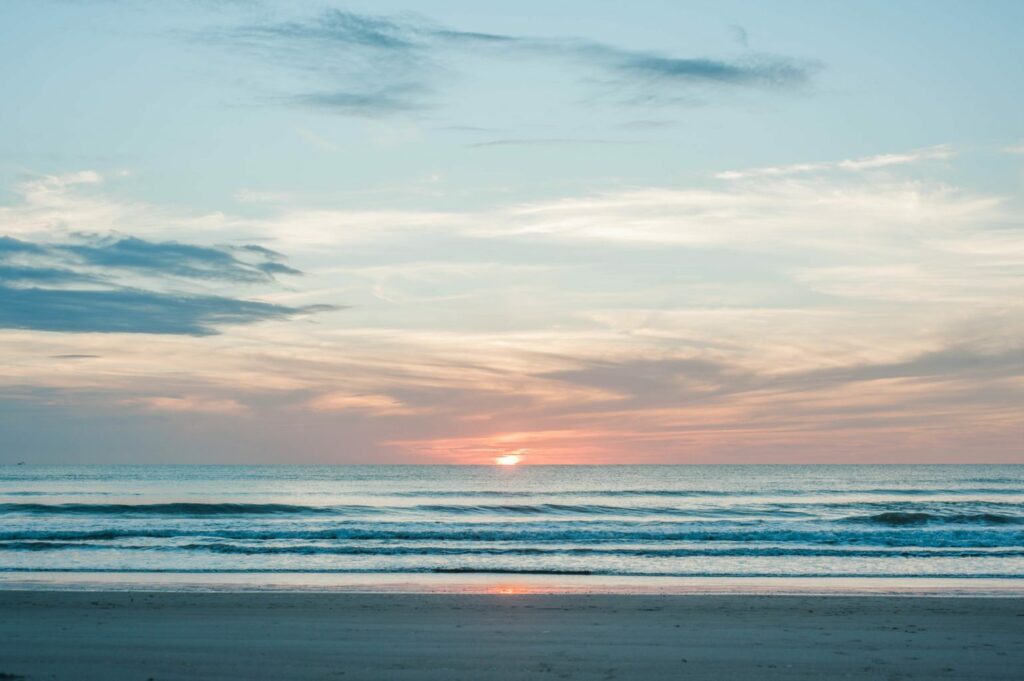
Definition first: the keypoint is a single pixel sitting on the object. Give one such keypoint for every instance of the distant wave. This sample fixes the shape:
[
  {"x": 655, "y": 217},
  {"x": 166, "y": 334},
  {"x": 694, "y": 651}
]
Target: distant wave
[
  {"x": 168, "y": 509},
  {"x": 644, "y": 552},
  {"x": 512, "y": 571},
  {"x": 878, "y": 513},
  {"x": 566, "y": 492},
  {"x": 698, "y": 493},
  {"x": 45, "y": 545},
  {"x": 1016, "y": 490},
  {"x": 592, "y": 509},
  {"x": 27, "y": 493},
  {"x": 898, "y": 518},
  {"x": 188, "y": 509},
  {"x": 855, "y": 532},
  {"x": 456, "y": 551}
]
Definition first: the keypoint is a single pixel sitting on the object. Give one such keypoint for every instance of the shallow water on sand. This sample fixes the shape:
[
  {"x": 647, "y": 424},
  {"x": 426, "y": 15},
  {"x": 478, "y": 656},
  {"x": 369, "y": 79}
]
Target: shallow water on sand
[{"x": 699, "y": 521}]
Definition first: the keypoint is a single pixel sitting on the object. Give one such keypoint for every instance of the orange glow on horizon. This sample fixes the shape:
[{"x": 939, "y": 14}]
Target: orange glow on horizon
[
  {"x": 508, "y": 460},
  {"x": 511, "y": 589}
]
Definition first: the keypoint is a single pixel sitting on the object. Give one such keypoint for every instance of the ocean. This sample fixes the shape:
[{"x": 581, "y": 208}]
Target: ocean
[{"x": 684, "y": 521}]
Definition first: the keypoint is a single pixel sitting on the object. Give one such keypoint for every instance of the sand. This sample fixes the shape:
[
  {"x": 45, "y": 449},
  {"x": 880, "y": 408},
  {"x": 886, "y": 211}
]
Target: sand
[{"x": 283, "y": 636}]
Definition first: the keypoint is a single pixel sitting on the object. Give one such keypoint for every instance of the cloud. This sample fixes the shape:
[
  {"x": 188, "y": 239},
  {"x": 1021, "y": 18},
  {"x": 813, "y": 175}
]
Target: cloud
[
  {"x": 776, "y": 215},
  {"x": 951, "y": 362},
  {"x": 390, "y": 100},
  {"x": 371, "y": 404},
  {"x": 647, "y": 381},
  {"x": 373, "y": 65},
  {"x": 79, "y": 286},
  {"x": 942, "y": 277},
  {"x": 776, "y": 316},
  {"x": 169, "y": 258},
  {"x": 941, "y": 152},
  {"x": 94, "y": 259},
  {"x": 937, "y": 153},
  {"x": 740, "y": 34},
  {"x": 550, "y": 142},
  {"x": 188, "y": 403},
  {"x": 22, "y": 275},
  {"x": 764, "y": 72},
  {"x": 677, "y": 380},
  {"x": 647, "y": 124},
  {"x": 131, "y": 311},
  {"x": 823, "y": 212},
  {"x": 10, "y": 245},
  {"x": 934, "y": 399}
]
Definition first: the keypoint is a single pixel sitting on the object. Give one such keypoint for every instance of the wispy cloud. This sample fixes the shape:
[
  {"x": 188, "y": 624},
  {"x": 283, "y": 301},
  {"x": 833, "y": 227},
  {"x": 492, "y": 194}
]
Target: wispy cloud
[
  {"x": 740, "y": 34},
  {"x": 713, "y": 321},
  {"x": 188, "y": 403},
  {"x": 773, "y": 216},
  {"x": 551, "y": 142},
  {"x": 389, "y": 100},
  {"x": 678, "y": 381},
  {"x": 822, "y": 211},
  {"x": 937, "y": 153},
  {"x": 369, "y": 404},
  {"x": 125, "y": 284},
  {"x": 248, "y": 263},
  {"x": 374, "y": 65},
  {"x": 130, "y": 311},
  {"x": 94, "y": 259},
  {"x": 763, "y": 72}
]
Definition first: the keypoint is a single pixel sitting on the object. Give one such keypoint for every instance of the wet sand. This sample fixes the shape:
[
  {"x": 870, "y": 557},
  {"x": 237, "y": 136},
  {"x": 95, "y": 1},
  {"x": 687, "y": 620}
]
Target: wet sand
[{"x": 283, "y": 636}]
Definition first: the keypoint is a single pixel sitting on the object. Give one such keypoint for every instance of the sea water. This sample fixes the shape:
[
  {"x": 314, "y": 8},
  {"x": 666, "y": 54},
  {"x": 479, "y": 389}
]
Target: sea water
[{"x": 694, "y": 521}]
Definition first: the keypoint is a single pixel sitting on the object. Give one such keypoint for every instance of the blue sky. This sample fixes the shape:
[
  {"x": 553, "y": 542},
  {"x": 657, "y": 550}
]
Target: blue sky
[{"x": 447, "y": 231}]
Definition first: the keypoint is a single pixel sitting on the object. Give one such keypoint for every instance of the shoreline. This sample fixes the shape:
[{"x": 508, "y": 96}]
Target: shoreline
[
  {"x": 117, "y": 636},
  {"x": 503, "y": 583}
]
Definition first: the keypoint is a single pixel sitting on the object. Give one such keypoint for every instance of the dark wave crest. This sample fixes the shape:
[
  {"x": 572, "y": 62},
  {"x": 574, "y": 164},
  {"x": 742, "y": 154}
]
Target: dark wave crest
[
  {"x": 710, "y": 493},
  {"x": 900, "y": 518},
  {"x": 514, "y": 551},
  {"x": 186, "y": 509},
  {"x": 856, "y": 532}
]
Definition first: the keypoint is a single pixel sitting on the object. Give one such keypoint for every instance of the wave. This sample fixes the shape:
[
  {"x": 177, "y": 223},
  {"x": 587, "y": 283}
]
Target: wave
[
  {"x": 606, "y": 493},
  {"x": 190, "y": 509},
  {"x": 698, "y": 493},
  {"x": 575, "y": 509},
  {"x": 567, "y": 492},
  {"x": 168, "y": 509},
  {"x": 28, "y": 493},
  {"x": 454, "y": 551},
  {"x": 513, "y": 571},
  {"x": 987, "y": 511},
  {"x": 45, "y": 546},
  {"x": 15, "y": 569},
  {"x": 856, "y": 532},
  {"x": 902, "y": 518},
  {"x": 639, "y": 552}
]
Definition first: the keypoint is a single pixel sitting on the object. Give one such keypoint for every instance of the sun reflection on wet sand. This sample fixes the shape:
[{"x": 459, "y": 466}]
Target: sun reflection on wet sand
[{"x": 513, "y": 589}]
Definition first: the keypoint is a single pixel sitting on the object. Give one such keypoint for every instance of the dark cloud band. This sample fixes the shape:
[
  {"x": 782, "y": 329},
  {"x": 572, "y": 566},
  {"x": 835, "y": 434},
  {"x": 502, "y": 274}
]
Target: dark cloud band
[
  {"x": 77, "y": 287},
  {"x": 377, "y": 65}
]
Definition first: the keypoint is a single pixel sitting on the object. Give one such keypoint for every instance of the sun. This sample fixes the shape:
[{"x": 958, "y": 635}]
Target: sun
[{"x": 508, "y": 460}]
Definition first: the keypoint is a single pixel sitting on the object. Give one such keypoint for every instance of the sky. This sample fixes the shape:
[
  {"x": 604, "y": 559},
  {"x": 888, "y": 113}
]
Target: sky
[{"x": 574, "y": 232}]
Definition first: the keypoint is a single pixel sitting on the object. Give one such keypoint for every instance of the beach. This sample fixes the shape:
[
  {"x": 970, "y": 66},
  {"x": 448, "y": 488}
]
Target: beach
[
  {"x": 491, "y": 573},
  {"x": 430, "y": 636}
]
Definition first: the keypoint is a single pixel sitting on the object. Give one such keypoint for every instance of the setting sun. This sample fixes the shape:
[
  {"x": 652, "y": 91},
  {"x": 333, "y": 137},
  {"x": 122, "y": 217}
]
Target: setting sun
[{"x": 508, "y": 460}]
